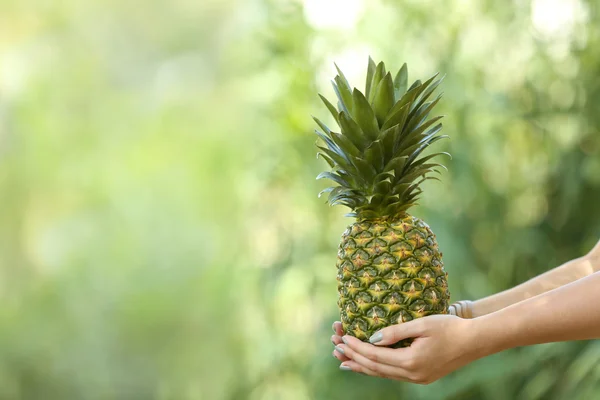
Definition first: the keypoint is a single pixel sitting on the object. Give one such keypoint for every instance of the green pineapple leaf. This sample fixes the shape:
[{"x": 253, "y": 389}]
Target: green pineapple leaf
[
  {"x": 383, "y": 100},
  {"x": 388, "y": 139},
  {"x": 425, "y": 159},
  {"x": 421, "y": 114},
  {"x": 339, "y": 160},
  {"x": 334, "y": 177},
  {"x": 383, "y": 177},
  {"x": 396, "y": 163},
  {"x": 414, "y": 151},
  {"x": 397, "y": 118},
  {"x": 425, "y": 95},
  {"x": 322, "y": 126},
  {"x": 327, "y": 190},
  {"x": 422, "y": 86},
  {"x": 365, "y": 117},
  {"x": 374, "y": 155},
  {"x": 345, "y": 144},
  {"x": 400, "y": 82},
  {"x": 352, "y": 131},
  {"x": 366, "y": 170},
  {"x": 344, "y": 97},
  {"x": 415, "y": 135},
  {"x": 406, "y": 100},
  {"x": 382, "y": 188},
  {"x": 330, "y": 107},
  {"x": 376, "y": 201},
  {"x": 415, "y": 85},
  {"x": 379, "y": 74},
  {"x": 342, "y": 77},
  {"x": 327, "y": 159},
  {"x": 370, "y": 73}
]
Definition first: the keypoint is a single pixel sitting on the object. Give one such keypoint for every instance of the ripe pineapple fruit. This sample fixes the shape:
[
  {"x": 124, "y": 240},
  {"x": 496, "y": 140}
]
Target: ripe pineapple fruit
[{"x": 390, "y": 269}]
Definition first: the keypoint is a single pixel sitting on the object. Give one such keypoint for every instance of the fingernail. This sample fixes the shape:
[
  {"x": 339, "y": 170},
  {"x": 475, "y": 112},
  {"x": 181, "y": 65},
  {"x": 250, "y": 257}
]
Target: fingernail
[
  {"x": 339, "y": 349},
  {"x": 333, "y": 328},
  {"x": 377, "y": 337},
  {"x": 344, "y": 340},
  {"x": 345, "y": 368},
  {"x": 332, "y": 341}
]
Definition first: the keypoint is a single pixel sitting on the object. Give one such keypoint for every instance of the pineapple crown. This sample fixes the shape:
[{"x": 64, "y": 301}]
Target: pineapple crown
[{"x": 374, "y": 158}]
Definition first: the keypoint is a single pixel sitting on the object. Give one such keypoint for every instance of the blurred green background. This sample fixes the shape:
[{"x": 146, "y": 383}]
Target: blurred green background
[{"x": 160, "y": 235}]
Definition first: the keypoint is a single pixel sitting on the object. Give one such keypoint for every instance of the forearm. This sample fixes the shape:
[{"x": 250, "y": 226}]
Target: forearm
[
  {"x": 562, "y": 275},
  {"x": 566, "y": 313}
]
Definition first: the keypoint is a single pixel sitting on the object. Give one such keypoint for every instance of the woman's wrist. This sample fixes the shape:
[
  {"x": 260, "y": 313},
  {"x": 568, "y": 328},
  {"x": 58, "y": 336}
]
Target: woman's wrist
[
  {"x": 491, "y": 335},
  {"x": 468, "y": 309},
  {"x": 462, "y": 309}
]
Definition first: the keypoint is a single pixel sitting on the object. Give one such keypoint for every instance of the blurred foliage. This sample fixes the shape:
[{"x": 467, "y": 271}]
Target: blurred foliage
[{"x": 160, "y": 236}]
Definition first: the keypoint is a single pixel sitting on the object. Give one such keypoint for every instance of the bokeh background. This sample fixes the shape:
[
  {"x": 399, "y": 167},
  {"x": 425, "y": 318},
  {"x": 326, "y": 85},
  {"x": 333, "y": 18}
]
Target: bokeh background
[{"x": 160, "y": 235}]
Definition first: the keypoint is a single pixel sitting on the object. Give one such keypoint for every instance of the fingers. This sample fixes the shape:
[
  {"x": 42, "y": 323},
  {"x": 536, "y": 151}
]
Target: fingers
[
  {"x": 337, "y": 340},
  {"x": 356, "y": 367},
  {"x": 395, "y": 333},
  {"x": 337, "y": 328},
  {"x": 367, "y": 359},
  {"x": 340, "y": 356},
  {"x": 357, "y": 349},
  {"x": 371, "y": 366}
]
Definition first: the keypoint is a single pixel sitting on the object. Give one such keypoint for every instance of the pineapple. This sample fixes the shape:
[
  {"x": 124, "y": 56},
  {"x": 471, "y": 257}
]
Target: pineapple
[{"x": 390, "y": 268}]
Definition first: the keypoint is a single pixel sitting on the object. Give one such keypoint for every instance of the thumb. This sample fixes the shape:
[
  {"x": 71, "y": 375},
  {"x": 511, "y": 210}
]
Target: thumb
[{"x": 395, "y": 333}]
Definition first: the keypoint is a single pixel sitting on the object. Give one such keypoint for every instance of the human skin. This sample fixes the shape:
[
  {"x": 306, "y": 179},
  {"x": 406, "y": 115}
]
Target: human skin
[
  {"x": 514, "y": 318},
  {"x": 555, "y": 278}
]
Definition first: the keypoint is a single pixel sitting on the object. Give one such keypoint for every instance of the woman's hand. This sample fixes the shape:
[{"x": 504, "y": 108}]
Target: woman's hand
[
  {"x": 337, "y": 340},
  {"x": 442, "y": 344}
]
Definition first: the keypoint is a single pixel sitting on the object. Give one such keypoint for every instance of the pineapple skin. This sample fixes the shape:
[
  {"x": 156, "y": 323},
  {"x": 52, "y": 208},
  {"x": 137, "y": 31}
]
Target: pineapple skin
[{"x": 389, "y": 272}]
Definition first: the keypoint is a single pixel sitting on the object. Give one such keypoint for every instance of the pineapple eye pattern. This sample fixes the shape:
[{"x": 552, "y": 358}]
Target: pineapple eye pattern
[
  {"x": 365, "y": 234},
  {"x": 402, "y": 316},
  {"x": 384, "y": 261},
  {"x": 349, "y": 245},
  {"x": 349, "y": 306},
  {"x": 418, "y": 305},
  {"x": 412, "y": 286},
  {"x": 346, "y": 267},
  {"x": 394, "y": 299},
  {"x": 369, "y": 273},
  {"x": 391, "y": 286},
  {"x": 424, "y": 255},
  {"x": 415, "y": 238},
  {"x": 377, "y": 316},
  {"x": 379, "y": 286},
  {"x": 431, "y": 294},
  {"x": 395, "y": 275},
  {"x": 427, "y": 275},
  {"x": 377, "y": 246},
  {"x": 360, "y": 258},
  {"x": 352, "y": 283},
  {"x": 363, "y": 298}
]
